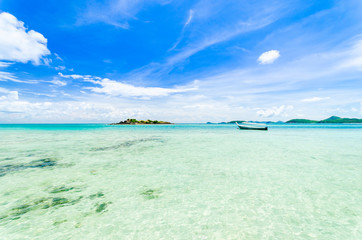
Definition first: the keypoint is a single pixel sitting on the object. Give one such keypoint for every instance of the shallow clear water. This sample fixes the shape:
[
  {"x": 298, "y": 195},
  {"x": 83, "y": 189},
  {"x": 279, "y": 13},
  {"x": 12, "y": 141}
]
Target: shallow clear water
[{"x": 187, "y": 181}]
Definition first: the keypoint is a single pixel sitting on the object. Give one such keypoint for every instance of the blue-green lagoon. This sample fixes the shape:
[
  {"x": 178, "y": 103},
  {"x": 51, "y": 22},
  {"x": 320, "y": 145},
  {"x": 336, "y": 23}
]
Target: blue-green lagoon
[{"x": 183, "y": 181}]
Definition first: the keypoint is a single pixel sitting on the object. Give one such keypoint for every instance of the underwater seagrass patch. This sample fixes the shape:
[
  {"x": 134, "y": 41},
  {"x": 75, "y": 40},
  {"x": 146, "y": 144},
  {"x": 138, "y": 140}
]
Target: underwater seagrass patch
[
  {"x": 128, "y": 144},
  {"x": 101, "y": 207},
  {"x": 41, "y": 203},
  {"x": 151, "y": 193},
  {"x": 41, "y": 163}
]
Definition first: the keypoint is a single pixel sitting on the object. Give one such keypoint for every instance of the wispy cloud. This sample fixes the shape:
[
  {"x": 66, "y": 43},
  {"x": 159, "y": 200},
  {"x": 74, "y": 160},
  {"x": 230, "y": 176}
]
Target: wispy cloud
[
  {"x": 188, "y": 21},
  {"x": 8, "y": 76},
  {"x": 58, "y": 82},
  {"x": 58, "y": 57},
  {"x": 210, "y": 32},
  {"x": 219, "y": 37},
  {"x": 114, "y": 88},
  {"x": 5, "y": 64},
  {"x": 60, "y": 68},
  {"x": 163, "y": 68},
  {"x": 275, "y": 111},
  {"x": 191, "y": 14},
  {"x": 314, "y": 99},
  {"x": 321, "y": 68},
  {"x": 77, "y": 76},
  {"x": 115, "y": 12}
]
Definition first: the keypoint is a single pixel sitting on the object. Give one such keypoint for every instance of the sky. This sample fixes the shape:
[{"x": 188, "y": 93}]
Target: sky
[{"x": 92, "y": 61}]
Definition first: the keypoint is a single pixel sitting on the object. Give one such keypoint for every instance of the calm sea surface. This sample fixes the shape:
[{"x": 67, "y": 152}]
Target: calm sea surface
[{"x": 184, "y": 181}]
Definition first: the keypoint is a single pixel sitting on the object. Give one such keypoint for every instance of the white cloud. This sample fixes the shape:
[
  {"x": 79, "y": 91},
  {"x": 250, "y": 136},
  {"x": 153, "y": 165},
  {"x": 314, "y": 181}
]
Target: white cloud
[
  {"x": 74, "y": 76},
  {"x": 97, "y": 108},
  {"x": 60, "y": 68},
  {"x": 269, "y": 57},
  {"x": 13, "y": 95},
  {"x": 314, "y": 99},
  {"x": 5, "y": 64},
  {"x": 18, "y": 44},
  {"x": 9, "y": 95},
  {"x": 58, "y": 82},
  {"x": 275, "y": 111},
  {"x": 3, "y": 90},
  {"x": 114, "y": 88}
]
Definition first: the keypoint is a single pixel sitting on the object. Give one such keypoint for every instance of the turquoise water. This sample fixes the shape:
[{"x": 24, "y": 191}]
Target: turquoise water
[{"x": 185, "y": 181}]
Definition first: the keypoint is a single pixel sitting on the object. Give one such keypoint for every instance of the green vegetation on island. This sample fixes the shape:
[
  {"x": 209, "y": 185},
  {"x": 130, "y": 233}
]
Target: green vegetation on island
[
  {"x": 132, "y": 121},
  {"x": 333, "y": 119}
]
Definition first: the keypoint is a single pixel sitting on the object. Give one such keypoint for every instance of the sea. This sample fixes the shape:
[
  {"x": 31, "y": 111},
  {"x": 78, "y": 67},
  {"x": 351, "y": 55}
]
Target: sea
[{"x": 181, "y": 181}]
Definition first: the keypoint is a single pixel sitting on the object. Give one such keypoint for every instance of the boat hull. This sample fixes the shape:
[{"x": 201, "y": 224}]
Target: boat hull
[{"x": 252, "y": 128}]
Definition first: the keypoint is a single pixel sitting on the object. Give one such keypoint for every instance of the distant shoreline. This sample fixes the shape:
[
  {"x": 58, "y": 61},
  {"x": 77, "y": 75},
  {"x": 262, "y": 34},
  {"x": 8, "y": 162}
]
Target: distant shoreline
[{"x": 332, "y": 119}]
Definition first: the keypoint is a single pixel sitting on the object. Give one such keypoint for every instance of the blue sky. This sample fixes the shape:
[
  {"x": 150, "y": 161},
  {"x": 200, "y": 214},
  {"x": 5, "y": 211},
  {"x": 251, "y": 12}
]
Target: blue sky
[{"x": 182, "y": 61}]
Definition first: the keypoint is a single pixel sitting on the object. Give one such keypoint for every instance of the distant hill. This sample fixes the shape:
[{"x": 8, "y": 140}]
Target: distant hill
[
  {"x": 302, "y": 121},
  {"x": 333, "y": 119},
  {"x": 236, "y": 121}
]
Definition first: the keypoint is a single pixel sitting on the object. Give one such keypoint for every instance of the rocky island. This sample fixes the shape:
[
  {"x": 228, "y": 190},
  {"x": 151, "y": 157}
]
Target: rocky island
[{"x": 132, "y": 121}]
